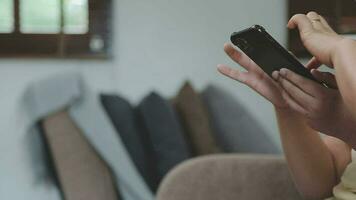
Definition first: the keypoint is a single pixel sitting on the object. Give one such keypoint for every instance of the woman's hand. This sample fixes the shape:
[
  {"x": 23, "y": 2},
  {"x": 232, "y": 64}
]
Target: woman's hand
[
  {"x": 323, "y": 107},
  {"x": 254, "y": 77},
  {"x": 317, "y": 36}
]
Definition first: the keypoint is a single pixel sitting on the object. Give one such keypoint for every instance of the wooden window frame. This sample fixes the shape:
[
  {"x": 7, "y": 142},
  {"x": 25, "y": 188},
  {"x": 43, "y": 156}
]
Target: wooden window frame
[
  {"x": 61, "y": 45},
  {"x": 339, "y": 14}
]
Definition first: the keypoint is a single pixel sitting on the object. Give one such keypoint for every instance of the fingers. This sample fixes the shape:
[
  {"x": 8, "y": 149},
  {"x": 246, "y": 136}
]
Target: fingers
[
  {"x": 319, "y": 22},
  {"x": 301, "y": 22},
  {"x": 315, "y": 19},
  {"x": 238, "y": 56},
  {"x": 309, "y": 22},
  {"x": 288, "y": 100},
  {"x": 232, "y": 73},
  {"x": 292, "y": 104},
  {"x": 325, "y": 77},
  {"x": 308, "y": 86},
  {"x": 313, "y": 63},
  {"x": 297, "y": 94}
]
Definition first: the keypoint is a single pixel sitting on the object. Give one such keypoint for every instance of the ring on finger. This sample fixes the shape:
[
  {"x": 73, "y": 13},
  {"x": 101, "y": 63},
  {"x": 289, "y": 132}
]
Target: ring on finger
[{"x": 316, "y": 19}]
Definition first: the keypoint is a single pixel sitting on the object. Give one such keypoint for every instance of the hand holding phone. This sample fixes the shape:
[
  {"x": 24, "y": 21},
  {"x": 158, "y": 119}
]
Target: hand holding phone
[{"x": 266, "y": 52}]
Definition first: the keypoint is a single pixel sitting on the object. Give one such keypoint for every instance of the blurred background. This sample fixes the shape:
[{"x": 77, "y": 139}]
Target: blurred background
[{"x": 124, "y": 47}]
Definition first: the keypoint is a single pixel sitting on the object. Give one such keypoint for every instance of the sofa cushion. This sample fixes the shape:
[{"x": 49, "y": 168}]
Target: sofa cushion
[
  {"x": 162, "y": 133},
  {"x": 124, "y": 120},
  {"x": 195, "y": 121},
  {"x": 236, "y": 129},
  {"x": 82, "y": 173},
  {"x": 230, "y": 177}
]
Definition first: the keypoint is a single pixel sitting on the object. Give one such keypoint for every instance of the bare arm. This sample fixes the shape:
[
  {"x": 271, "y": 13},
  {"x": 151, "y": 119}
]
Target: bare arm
[
  {"x": 337, "y": 52},
  {"x": 316, "y": 165},
  {"x": 344, "y": 62}
]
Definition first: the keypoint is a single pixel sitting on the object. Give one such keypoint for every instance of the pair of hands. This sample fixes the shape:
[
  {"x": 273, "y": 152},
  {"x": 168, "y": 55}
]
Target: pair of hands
[{"x": 322, "y": 107}]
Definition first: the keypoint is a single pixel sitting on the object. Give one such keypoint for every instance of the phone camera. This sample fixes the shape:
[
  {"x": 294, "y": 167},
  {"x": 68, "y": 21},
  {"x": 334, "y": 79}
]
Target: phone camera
[
  {"x": 258, "y": 28},
  {"x": 243, "y": 44}
]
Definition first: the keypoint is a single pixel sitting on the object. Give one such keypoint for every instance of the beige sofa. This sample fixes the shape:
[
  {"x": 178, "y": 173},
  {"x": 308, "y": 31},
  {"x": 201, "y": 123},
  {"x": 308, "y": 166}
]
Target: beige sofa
[{"x": 230, "y": 177}]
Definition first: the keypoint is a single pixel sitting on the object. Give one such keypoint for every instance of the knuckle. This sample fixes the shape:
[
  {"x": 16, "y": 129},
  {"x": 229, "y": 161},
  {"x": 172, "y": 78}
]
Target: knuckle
[
  {"x": 312, "y": 13},
  {"x": 305, "y": 35},
  {"x": 287, "y": 73},
  {"x": 284, "y": 84},
  {"x": 296, "y": 16}
]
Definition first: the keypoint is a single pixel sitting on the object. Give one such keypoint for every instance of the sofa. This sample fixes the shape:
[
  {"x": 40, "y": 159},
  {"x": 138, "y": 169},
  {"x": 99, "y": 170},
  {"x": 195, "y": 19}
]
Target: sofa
[
  {"x": 230, "y": 177},
  {"x": 196, "y": 145}
]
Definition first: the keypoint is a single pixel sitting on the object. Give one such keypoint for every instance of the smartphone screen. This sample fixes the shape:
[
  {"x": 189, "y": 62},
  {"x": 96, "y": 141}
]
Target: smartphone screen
[{"x": 266, "y": 52}]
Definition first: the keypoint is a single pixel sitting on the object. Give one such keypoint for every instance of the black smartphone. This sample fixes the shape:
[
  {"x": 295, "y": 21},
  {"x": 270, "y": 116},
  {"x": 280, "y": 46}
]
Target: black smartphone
[{"x": 266, "y": 52}]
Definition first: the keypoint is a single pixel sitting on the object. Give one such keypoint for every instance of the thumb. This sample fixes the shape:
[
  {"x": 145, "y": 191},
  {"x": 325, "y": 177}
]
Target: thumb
[{"x": 313, "y": 63}]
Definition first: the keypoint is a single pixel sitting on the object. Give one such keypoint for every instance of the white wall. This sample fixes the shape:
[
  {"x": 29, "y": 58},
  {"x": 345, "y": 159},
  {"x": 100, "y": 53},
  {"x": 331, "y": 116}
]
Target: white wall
[
  {"x": 158, "y": 44},
  {"x": 161, "y": 43}
]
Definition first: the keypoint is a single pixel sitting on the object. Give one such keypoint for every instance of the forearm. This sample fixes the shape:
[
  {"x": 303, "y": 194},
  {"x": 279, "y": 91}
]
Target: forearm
[
  {"x": 309, "y": 159},
  {"x": 344, "y": 62}
]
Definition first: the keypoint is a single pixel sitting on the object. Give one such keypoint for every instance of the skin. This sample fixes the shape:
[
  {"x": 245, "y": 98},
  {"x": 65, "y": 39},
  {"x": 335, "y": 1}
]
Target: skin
[
  {"x": 330, "y": 49},
  {"x": 304, "y": 108}
]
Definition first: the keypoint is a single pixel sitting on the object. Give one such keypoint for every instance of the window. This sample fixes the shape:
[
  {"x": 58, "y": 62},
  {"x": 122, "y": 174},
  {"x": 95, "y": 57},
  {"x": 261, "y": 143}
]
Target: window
[
  {"x": 40, "y": 16},
  {"x": 340, "y": 14},
  {"x": 6, "y": 16},
  {"x": 55, "y": 28}
]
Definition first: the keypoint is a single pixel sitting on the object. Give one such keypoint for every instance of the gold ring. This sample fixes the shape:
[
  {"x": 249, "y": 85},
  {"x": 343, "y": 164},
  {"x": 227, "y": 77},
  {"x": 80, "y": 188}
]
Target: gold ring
[{"x": 316, "y": 19}]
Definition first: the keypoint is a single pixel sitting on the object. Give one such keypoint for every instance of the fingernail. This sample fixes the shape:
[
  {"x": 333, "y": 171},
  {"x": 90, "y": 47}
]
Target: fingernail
[
  {"x": 275, "y": 75},
  {"x": 220, "y": 66},
  {"x": 283, "y": 71}
]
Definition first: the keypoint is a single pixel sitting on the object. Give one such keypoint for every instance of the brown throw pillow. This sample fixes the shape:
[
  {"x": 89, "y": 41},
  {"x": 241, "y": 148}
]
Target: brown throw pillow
[
  {"x": 81, "y": 171},
  {"x": 194, "y": 117}
]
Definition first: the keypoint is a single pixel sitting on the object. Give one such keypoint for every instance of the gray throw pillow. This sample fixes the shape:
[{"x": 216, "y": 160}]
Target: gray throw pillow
[
  {"x": 235, "y": 128},
  {"x": 123, "y": 118}
]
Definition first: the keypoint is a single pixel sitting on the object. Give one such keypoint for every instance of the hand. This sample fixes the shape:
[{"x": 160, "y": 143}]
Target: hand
[
  {"x": 254, "y": 77},
  {"x": 317, "y": 36},
  {"x": 323, "y": 107}
]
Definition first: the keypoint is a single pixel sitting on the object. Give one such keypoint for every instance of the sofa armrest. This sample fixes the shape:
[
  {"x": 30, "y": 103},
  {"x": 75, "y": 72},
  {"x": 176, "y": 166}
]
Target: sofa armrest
[{"x": 230, "y": 177}]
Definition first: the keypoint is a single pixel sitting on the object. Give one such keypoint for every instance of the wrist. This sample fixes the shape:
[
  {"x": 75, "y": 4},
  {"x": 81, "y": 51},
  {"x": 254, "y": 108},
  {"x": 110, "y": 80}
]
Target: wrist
[{"x": 343, "y": 46}]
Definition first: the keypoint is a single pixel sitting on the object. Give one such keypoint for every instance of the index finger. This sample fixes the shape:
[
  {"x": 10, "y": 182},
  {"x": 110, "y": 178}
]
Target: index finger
[
  {"x": 238, "y": 57},
  {"x": 301, "y": 22}
]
